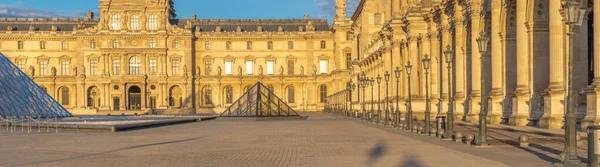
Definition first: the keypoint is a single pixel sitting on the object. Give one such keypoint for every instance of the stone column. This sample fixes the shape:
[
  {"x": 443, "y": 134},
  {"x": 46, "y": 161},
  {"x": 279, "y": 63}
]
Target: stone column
[
  {"x": 124, "y": 105},
  {"x": 459, "y": 64},
  {"x": 475, "y": 96},
  {"x": 520, "y": 97},
  {"x": 593, "y": 91},
  {"x": 553, "y": 96},
  {"x": 434, "y": 72},
  {"x": 497, "y": 93},
  {"x": 446, "y": 41}
]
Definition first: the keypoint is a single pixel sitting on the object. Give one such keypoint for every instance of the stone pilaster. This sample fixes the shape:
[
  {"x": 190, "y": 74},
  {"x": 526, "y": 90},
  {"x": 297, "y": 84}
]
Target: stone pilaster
[
  {"x": 475, "y": 96},
  {"x": 593, "y": 91},
  {"x": 496, "y": 95},
  {"x": 459, "y": 64},
  {"x": 520, "y": 97}
]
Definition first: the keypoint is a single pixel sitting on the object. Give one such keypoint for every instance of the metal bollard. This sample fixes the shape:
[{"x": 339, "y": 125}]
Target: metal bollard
[{"x": 593, "y": 145}]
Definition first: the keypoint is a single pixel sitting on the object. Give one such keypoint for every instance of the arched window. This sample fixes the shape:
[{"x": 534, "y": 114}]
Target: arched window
[
  {"x": 208, "y": 95},
  {"x": 175, "y": 96},
  {"x": 93, "y": 96},
  {"x": 228, "y": 95},
  {"x": 64, "y": 95},
  {"x": 291, "y": 94},
  {"x": 134, "y": 66},
  {"x": 115, "y": 44},
  {"x": 322, "y": 93},
  {"x": 290, "y": 45},
  {"x": 377, "y": 18},
  {"x": 42, "y": 44},
  {"x": 323, "y": 44},
  {"x": 249, "y": 45},
  {"x": 152, "y": 25},
  {"x": 134, "y": 22},
  {"x": 115, "y": 22}
]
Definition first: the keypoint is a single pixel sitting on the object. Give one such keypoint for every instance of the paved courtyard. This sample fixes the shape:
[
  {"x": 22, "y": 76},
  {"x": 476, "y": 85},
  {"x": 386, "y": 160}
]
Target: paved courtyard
[{"x": 322, "y": 140}]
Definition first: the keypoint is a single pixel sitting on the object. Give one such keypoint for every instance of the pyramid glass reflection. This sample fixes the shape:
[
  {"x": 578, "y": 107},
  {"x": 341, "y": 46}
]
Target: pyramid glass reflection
[
  {"x": 259, "y": 101},
  {"x": 20, "y": 96}
]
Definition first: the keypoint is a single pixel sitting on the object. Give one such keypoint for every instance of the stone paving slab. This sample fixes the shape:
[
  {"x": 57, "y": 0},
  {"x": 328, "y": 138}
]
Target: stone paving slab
[{"x": 321, "y": 140}]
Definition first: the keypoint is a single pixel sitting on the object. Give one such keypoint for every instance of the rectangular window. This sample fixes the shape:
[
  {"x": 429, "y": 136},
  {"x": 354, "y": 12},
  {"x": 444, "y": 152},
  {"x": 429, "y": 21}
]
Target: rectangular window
[
  {"x": 270, "y": 45},
  {"x": 270, "y": 67},
  {"x": 93, "y": 44},
  {"x": 20, "y": 45},
  {"x": 152, "y": 66},
  {"x": 115, "y": 44},
  {"x": 228, "y": 67},
  {"x": 93, "y": 67},
  {"x": 64, "y": 68},
  {"x": 116, "y": 67},
  {"x": 175, "y": 44},
  {"x": 323, "y": 44},
  {"x": 43, "y": 45},
  {"x": 152, "y": 44},
  {"x": 249, "y": 45},
  {"x": 291, "y": 45},
  {"x": 175, "y": 67},
  {"x": 348, "y": 60},
  {"x": 323, "y": 66},
  {"x": 21, "y": 65},
  {"x": 43, "y": 68},
  {"x": 65, "y": 45},
  {"x": 207, "y": 45},
  {"x": 249, "y": 67},
  {"x": 290, "y": 67},
  {"x": 207, "y": 67},
  {"x": 228, "y": 45}
]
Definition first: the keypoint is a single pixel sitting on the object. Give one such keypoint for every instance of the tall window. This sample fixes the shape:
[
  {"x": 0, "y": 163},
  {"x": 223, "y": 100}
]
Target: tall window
[
  {"x": 175, "y": 66},
  {"x": 228, "y": 95},
  {"x": 65, "y": 45},
  {"x": 249, "y": 45},
  {"x": 207, "y": 45},
  {"x": 152, "y": 66},
  {"x": 115, "y": 44},
  {"x": 348, "y": 60},
  {"x": 175, "y": 44},
  {"x": 43, "y": 68},
  {"x": 270, "y": 45},
  {"x": 93, "y": 67},
  {"x": 42, "y": 44},
  {"x": 270, "y": 67},
  {"x": 21, "y": 65},
  {"x": 152, "y": 25},
  {"x": 134, "y": 22},
  {"x": 323, "y": 66},
  {"x": 290, "y": 94},
  {"x": 152, "y": 44},
  {"x": 322, "y": 93},
  {"x": 64, "y": 68},
  {"x": 93, "y": 44},
  {"x": 249, "y": 67},
  {"x": 290, "y": 67},
  {"x": 228, "y": 45},
  {"x": 323, "y": 44},
  {"x": 115, "y": 21},
  {"x": 228, "y": 67},
  {"x": 290, "y": 45},
  {"x": 64, "y": 99},
  {"x": 20, "y": 45},
  {"x": 377, "y": 18},
  {"x": 208, "y": 95},
  {"x": 348, "y": 36},
  {"x": 134, "y": 66},
  {"x": 207, "y": 67},
  {"x": 116, "y": 67}
]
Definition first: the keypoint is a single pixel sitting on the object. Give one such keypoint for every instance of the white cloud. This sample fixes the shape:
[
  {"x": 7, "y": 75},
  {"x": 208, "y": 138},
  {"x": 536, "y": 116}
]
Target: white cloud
[
  {"x": 327, "y": 8},
  {"x": 12, "y": 11}
]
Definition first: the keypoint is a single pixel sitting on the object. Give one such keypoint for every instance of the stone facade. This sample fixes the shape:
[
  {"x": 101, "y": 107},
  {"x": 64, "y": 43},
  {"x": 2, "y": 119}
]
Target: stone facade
[
  {"x": 137, "y": 58},
  {"x": 525, "y": 68}
]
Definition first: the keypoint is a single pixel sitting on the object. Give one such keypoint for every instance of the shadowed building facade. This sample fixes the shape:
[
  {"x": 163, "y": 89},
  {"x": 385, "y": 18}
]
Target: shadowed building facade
[{"x": 137, "y": 58}]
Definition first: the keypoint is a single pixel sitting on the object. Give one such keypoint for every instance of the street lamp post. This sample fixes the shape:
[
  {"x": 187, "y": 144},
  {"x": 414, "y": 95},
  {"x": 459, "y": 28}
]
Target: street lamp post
[
  {"x": 378, "y": 98},
  {"x": 363, "y": 83},
  {"x": 482, "y": 42},
  {"x": 426, "y": 64},
  {"x": 371, "y": 82},
  {"x": 397, "y": 75},
  {"x": 410, "y": 114},
  {"x": 450, "y": 116},
  {"x": 352, "y": 88},
  {"x": 569, "y": 156},
  {"x": 348, "y": 91},
  {"x": 387, "y": 109}
]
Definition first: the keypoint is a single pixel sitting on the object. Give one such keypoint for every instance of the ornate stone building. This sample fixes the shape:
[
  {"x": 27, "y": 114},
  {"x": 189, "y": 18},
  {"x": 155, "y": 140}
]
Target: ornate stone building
[
  {"x": 137, "y": 58},
  {"x": 526, "y": 68}
]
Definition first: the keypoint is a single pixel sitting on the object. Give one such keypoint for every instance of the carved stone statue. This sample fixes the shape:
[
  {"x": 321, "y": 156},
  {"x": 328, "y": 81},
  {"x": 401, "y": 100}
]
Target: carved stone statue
[
  {"x": 260, "y": 70},
  {"x": 340, "y": 8},
  {"x": 185, "y": 70},
  {"x": 188, "y": 24},
  {"x": 301, "y": 70},
  {"x": 54, "y": 28},
  {"x": 31, "y": 28},
  {"x": 219, "y": 70},
  {"x": 314, "y": 68},
  {"x": 279, "y": 29},
  {"x": 53, "y": 71},
  {"x": 198, "y": 71},
  {"x": 32, "y": 70},
  {"x": 238, "y": 29},
  {"x": 310, "y": 26},
  {"x": 259, "y": 29},
  {"x": 83, "y": 70},
  {"x": 280, "y": 70},
  {"x": 75, "y": 71},
  {"x": 80, "y": 24},
  {"x": 9, "y": 28},
  {"x": 240, "y": 70}
]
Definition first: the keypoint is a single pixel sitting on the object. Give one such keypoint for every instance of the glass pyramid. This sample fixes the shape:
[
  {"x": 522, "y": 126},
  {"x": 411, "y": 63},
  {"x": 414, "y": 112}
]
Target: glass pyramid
[
  {"x": 20, "y": 96},
  {"x": 259, "y": 101}
]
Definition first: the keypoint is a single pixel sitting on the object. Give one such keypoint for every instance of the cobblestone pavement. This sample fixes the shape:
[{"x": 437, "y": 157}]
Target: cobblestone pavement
[{"x": 322, "y": 140}]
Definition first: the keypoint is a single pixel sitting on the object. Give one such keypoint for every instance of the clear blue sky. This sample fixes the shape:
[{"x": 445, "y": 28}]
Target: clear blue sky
[{"x": 210, "y": 9}]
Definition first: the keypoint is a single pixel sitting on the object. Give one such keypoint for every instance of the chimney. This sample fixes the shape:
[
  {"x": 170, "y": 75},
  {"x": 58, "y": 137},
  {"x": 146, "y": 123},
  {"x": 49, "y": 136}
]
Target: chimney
[
  {"x": 193, "y": 16},
  {"x": 90, "y": 15},
  {"x": 305, "y": 17}
]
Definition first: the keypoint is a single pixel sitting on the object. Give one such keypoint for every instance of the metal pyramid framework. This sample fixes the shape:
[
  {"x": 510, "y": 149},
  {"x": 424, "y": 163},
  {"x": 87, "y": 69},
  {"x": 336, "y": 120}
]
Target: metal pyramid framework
[
  {"x": 21, "y": 97},
  {"x": 259, "y": 101}
]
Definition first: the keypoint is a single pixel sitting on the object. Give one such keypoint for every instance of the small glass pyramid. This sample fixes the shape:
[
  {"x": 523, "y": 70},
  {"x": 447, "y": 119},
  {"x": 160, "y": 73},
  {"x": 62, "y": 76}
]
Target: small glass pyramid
[
  {"x": 21, "y": 97},
  {"x": 259, "y": 101}
]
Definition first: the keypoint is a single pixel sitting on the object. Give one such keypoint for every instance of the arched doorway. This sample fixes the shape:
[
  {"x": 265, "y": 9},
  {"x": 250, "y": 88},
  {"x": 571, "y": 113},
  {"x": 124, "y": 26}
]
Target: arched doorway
[
  {"x": 175, "y": 96},
  {"x": 93, "y": 97},
  {"x": 135, "y": 98}
]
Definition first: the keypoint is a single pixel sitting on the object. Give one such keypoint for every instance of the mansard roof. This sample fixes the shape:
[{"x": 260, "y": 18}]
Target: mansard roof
[
  {"x": 251, "y": 25},
  {"x": 44, "y": 24}
]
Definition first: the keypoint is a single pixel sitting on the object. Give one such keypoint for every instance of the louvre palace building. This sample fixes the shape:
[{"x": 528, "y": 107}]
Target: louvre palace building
[{"x": 137, "y": 57}]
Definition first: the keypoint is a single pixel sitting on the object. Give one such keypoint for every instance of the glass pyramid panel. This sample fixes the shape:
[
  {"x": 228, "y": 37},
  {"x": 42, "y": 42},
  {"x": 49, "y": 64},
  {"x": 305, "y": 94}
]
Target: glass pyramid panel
[
  {"x": 259, "y": 101},
  {"x": 20, "y": 96}
]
